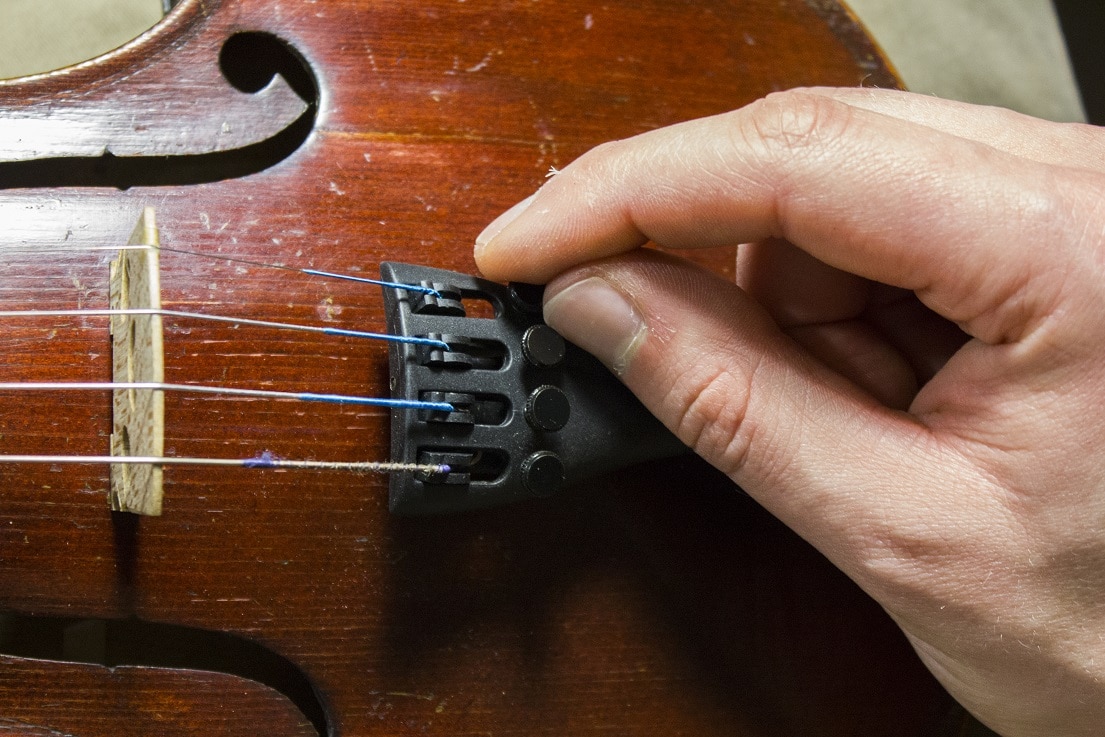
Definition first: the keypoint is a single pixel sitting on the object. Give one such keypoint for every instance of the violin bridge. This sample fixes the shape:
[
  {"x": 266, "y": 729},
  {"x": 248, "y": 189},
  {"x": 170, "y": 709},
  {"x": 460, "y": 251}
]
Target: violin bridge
[{"x": 138, "y": 415}]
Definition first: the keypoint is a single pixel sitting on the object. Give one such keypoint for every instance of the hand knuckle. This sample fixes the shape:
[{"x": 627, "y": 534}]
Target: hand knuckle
[
  {"x": 712, "y": 407},
  {"x": 786, "y": 122}
]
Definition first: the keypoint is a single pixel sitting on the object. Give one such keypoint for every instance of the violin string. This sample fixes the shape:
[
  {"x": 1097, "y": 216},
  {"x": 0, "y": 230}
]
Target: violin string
[
  {"x": 235, "y": 260},
  {"x": 309, "y": 272},
  {"x": 413, "y": 340},
  {"x": 227, "y": 391},
  {"x": 265, "y": 460}
]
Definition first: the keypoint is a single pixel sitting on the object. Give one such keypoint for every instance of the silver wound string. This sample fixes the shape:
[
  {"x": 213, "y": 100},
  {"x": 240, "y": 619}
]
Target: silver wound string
[
  {"x": 265, "y": 460},
  {"x": 258, "y": 462}
]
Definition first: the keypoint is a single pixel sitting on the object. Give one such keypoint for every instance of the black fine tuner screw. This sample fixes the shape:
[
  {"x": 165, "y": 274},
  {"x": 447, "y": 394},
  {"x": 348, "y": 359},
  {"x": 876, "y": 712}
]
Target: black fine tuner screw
[
  {"x": 542, "y": 346},
  {"x": 543, "y": 473},
  {"x": 547, "y": 408},
  {"x": 528, "y": 413},
  {"x": 527, "y": 297}
]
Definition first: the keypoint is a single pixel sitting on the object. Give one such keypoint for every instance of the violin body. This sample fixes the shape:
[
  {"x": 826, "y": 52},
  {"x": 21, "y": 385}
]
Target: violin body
[{"x": 655, "y": 601}]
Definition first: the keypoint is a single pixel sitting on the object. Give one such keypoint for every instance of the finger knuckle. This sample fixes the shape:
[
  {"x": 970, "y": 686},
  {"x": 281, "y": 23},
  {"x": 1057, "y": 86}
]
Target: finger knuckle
[
  {"x": 1044, "y": 294},
  {"x": 595, "y": 174},
  {"x": 785, "y": 123},
  {"x": 598, "y": 162},
  {"x": 712, "y": 405}
]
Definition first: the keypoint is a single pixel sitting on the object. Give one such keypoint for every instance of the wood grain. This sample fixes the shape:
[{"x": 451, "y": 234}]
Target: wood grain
[
  {"x": 657, "y": 602},
  {"x": 45, "y": 699}
]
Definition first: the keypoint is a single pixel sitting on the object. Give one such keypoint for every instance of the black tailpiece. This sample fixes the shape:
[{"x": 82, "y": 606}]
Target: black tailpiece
[{"x": 531, "y": 412}]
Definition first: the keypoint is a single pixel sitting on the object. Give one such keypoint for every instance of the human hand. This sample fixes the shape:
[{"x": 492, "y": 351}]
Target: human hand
[{"x": 910, "y": 371}]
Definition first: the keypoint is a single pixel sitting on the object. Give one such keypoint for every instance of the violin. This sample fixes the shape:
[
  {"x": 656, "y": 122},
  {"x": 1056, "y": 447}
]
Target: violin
[{"x": 271, "y": 136}]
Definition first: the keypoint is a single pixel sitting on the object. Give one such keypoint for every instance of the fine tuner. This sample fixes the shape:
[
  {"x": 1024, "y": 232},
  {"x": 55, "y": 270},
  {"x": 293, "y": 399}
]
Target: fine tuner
[{"x": 486, "y": 409}]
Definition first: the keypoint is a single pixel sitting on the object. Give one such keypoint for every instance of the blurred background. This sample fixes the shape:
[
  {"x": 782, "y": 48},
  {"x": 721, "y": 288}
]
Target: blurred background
[
  {"x": 1083, "y": 23},
  {"x": 1042, "y": 57}
]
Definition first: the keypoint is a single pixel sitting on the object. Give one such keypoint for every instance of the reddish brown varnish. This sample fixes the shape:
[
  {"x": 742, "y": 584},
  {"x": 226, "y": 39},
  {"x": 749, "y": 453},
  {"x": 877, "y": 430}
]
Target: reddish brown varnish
[{"x": 657, "y": 602}]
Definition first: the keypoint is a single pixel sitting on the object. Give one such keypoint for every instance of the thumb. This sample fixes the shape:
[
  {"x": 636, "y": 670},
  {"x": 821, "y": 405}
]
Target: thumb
[{"x": 815, "y": 450}]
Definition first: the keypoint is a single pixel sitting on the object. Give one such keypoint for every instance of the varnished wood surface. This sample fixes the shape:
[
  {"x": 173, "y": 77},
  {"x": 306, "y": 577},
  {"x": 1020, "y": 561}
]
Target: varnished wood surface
[
  {"x": 659, "y": 602},
  {"x": 44, "y": 699}
]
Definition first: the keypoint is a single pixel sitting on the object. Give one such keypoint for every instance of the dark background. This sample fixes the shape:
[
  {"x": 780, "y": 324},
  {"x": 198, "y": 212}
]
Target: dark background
[{"x": 1083, "y": 24}]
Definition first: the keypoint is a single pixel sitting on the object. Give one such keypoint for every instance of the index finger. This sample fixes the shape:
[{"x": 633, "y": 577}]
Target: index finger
[{"x": 887, "y": 199}]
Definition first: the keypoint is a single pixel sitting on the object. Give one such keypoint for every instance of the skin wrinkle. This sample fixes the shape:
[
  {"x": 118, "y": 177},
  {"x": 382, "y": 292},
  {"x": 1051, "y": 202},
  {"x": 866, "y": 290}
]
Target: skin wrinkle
[
  {"x": 647, "y": 207},
  {"x": 791, "y": 202},
  {"x": 707, "y": 404},
  {"x": 932, "y": 294},
  {"x": 1070, "y": 144},
  {"x": 707, "y": 401},
  {"x": 1044, "y": 203},
  {"x": 774, "y": 463},
  {"x": 1029, "y": 371},
  {"x": 773, "y": 177},
  {"x": 704, "y": 399},
  {"x": 617, "y": 176},
  {"x": 730, "y": 409},
  {"x": 1091, "y": 233},
  {"x": 593, "y": 183},
  {"x": 1045, "y": 279},
  {"x": 976, "y": 518},
  {"x": 784, "y": 124},
  {"x": 785, "y": 471},
  {"x": 1027, "y": 652}
]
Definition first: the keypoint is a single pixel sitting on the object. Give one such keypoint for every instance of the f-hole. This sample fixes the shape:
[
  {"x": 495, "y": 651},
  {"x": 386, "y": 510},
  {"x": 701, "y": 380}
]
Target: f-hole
[
  {"x": 248, "y": 61},
  {"x": 112, "y": 642}
]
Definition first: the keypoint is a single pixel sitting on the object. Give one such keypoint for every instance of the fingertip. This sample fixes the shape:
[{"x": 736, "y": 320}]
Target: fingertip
[{"x": 488, "y": 253}]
